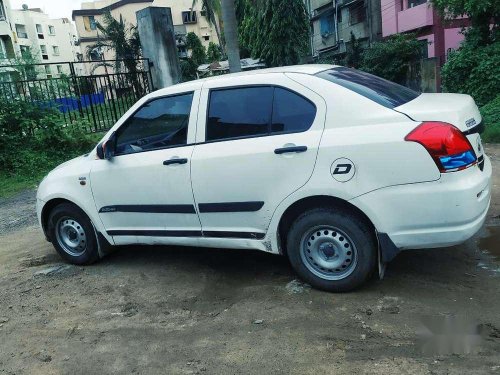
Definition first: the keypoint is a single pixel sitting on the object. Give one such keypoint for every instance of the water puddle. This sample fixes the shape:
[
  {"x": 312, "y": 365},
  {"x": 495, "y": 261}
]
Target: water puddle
[
  {"x": 491, "y": 242},
  {"x": 490, "y": 246}
]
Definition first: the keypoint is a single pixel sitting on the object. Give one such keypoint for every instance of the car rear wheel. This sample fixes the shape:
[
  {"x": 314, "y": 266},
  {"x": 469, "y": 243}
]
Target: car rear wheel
[
  {"x": 73, "y": 234},
  {"x": 332, "y": 249}
]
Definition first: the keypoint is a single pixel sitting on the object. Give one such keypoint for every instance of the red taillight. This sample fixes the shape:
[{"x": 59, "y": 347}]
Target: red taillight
[{"x": 448, "y": 146}]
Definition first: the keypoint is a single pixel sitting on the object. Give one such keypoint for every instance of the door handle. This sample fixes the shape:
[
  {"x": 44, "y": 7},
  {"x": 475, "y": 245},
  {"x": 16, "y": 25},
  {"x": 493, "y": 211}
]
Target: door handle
[
  {"x": 286, "y": 150},
  {"x": 175, "y": 161}
]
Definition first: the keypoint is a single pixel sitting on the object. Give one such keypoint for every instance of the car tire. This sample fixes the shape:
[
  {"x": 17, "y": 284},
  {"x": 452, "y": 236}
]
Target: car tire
[
  {"x": 73, "y": 234},
  {"x": 332, "y": 249}
]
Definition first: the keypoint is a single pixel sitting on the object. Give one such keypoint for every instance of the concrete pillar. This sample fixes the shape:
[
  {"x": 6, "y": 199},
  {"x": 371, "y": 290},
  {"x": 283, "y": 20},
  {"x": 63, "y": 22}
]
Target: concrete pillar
[{"x": 156, "y": 32}]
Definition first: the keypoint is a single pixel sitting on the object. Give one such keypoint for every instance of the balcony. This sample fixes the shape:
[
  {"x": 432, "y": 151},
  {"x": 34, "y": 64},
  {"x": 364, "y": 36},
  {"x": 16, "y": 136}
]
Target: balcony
[{"x": 415, "y": 18}]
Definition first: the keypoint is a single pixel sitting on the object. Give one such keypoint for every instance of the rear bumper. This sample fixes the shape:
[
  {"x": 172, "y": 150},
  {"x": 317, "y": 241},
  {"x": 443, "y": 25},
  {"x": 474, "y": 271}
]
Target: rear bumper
[{"x": 434, "y": 214}]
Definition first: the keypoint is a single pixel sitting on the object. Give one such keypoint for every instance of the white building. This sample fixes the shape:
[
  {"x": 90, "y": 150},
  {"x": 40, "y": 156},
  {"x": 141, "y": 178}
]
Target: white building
[{"x": 52, "y": 41}]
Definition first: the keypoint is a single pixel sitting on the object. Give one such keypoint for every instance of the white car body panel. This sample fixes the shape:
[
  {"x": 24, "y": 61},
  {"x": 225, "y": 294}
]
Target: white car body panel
[{"x": 395, "y": 183}]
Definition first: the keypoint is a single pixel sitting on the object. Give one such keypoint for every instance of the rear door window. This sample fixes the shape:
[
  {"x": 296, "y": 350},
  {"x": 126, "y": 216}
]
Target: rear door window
[
  {"x": 381, "y": 91},
  {"x": 256, "y": 111}
]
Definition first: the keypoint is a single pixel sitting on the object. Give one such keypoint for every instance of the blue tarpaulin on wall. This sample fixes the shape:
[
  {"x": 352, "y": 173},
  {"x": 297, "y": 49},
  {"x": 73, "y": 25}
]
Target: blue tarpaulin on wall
[{"x": 71, "y": 104}]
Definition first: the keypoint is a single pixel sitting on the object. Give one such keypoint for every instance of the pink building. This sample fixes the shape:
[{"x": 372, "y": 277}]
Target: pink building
[{"x": 419, "y": 16}]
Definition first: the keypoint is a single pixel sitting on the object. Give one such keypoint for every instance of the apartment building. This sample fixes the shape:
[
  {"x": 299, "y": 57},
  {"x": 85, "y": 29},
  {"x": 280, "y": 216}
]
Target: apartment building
[
  {"x": 52, "y": 42},
  {"x": 333, "y": 21},
  {"x": 6, "y": 35},
  {"x": 419, "y": 16},
  {"x": 185, "y": 20}
]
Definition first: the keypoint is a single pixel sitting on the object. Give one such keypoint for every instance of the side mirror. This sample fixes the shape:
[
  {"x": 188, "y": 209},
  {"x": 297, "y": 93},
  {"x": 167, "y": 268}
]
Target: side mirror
[{"x": 106, "y": 150}]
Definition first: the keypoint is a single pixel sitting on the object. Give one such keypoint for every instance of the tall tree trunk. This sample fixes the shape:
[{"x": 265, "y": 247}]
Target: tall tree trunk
[
  {"x": 222, "y": 43},
  {"x": 231, "y": 35}
]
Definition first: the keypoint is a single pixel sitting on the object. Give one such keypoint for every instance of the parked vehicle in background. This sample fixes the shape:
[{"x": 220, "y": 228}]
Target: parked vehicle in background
[{"x": 337, "y": 169}]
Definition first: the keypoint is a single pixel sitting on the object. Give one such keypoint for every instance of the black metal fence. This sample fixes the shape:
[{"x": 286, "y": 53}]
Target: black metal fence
[{"x": 95, "y": 93}]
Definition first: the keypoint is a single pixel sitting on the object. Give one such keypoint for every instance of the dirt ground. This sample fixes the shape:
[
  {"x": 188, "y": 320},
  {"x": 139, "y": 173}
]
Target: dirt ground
[{"x": 159, "y": 310}]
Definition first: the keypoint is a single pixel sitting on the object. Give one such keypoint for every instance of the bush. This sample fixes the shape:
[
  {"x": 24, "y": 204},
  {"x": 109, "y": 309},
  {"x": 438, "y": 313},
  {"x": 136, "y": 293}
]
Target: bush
[
  {"x": 473, "y": 70},
  {"x": 391, "y": 58},
  {"x": 491, "y": 119},
  {"x": 34, "y": 140}
]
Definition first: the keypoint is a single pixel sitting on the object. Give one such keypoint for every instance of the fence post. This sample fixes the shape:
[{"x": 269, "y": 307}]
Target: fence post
[{"x": 76, "y": 88}]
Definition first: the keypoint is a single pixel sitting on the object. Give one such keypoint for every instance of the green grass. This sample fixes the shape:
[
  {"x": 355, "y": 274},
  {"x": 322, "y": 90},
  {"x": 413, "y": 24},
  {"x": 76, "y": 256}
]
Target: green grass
[{"x": 11, "y": 185}]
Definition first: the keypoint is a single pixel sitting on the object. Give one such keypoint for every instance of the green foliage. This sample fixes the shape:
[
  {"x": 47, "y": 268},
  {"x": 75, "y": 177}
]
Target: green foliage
[
  {"x": 34, "y": 140},
  {"x": 198, "y": 56},
  {"x": 276, "y": 31},
  {"x": 483, "y": 14},
  {"x": 491, "y": 119},
  {"x": 391, "y": 58},
  {"x": 193, "y": 43},
  {"x": 354, "y": 53},
  {"x": 475, "y": 71},
  {"x": 213, "y": 53},
  {"x": 25, "y": 64}
]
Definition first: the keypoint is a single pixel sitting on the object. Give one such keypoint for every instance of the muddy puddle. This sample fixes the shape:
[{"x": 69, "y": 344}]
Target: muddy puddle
[
  {"x": 490, "y": 245},
  {"x": 491, "y": 242}
]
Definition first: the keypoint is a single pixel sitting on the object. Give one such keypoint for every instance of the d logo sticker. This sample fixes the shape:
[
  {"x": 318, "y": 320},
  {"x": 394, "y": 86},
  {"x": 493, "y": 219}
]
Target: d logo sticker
[{"x": 343, "y": 170}]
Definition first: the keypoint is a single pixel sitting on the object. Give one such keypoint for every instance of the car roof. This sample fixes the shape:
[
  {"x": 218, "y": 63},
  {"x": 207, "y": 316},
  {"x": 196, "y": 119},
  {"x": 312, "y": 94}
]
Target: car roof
[{"x": 309, "y": 69}]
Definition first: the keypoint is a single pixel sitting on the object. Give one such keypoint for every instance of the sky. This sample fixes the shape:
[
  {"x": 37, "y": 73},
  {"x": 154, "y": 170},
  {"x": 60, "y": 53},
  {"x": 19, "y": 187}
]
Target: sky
[{"x": 54, "y": 8}]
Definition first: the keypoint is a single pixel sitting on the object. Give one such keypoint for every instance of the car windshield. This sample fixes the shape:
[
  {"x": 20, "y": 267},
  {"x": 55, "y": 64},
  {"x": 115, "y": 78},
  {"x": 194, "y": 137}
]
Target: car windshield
[{"x": 381, "y": 91}]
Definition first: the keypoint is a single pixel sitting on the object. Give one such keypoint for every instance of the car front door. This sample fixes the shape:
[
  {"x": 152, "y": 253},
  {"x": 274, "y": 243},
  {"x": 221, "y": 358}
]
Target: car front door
[
  {"x": 256, "y": 145},
  {"x": 145, "y": 189}
]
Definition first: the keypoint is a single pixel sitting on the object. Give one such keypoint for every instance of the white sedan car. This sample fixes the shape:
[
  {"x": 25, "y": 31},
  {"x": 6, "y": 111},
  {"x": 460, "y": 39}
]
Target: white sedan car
[{"x": 337, "y": 169}]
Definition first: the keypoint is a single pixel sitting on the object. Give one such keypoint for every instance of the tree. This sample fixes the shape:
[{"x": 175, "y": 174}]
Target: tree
[
  {"x": 484, "y": 16},
  {"x": 122, "y": 39},
  {"x": 193, "y": 43},
  {"x": 231, "y": 35},
  {"x": 190, "y": 65},
  {"x": 213, "y": 53},
  {"x": 354, "y": 53},
  {"x": 276, "y": 31},
  {"x": 392, "y": 58},
  {"x": 212, "y": 9}
]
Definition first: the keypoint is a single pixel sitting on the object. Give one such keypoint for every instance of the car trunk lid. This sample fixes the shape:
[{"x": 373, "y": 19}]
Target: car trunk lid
[{"x": 457, "y": 109}]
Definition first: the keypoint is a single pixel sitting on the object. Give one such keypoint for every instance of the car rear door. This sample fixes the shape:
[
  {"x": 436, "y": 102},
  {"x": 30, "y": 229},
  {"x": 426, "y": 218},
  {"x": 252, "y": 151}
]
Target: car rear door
[
  {"x": 145, "y": 191},
  {"x": 257, "y": 143}
]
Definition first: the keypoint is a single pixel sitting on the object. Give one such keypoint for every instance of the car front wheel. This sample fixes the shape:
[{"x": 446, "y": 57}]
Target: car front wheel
[
  {"x": 73, "y": 235},
  {"x": 332, "y": 249}
]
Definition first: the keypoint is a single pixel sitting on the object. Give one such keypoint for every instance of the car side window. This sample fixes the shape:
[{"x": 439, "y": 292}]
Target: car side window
[
  {"x": 255, "y": 111},
  {"x": 159, "y": 123},
  {"x": 292, "y": 113},
  {"x": 239, "y": 112}
]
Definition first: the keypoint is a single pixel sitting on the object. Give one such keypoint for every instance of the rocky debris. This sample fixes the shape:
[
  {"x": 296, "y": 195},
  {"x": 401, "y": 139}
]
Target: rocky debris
[
  {"x": 297, "y": 287},
  {"x": 389, "y": 305},
  {"x": 4, "y": 319},
  {"x": 43, "y": 357},
  {"x": 34, "y": 262},
  {"x": 59, "y": 268},
  {"x": 258, "y": 321}
]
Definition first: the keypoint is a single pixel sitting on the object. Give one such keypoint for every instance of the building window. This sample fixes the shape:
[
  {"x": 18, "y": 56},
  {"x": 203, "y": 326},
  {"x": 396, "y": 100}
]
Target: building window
[
  {"x": 189, "y": 17},
  {"x": 2, "y": 11},
  {"x": 206, "y": 37},
  {"x": 59, "y": 69},
  {"x": 52, "y": 30},
  {"x": 39, "y": 31},
  {"x": 3, "y": 50},
  {"x": 43, "y": 50},
  {"x": 55, "y": 50},
  {"x": 89, "y": 23},
  {"x": 21, "y": 31},
  {"x": 357, "y": 13},
  {"x": 424, "y": 45},
  {"x": 327, "y": 25},
  {"x": 48, "y": 71},
  {"x": 25, "y": 51},
  {"x": 414, "y": 3}
]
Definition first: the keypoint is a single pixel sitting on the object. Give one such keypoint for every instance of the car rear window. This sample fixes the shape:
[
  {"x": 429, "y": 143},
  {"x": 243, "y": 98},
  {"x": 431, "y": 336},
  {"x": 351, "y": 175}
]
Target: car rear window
[{"x": 381, "y": 91}]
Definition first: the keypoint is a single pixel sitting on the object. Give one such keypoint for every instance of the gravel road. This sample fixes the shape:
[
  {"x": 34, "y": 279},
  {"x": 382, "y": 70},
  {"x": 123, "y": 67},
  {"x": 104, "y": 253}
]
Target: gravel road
[{"x": 173, "y": 310}]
